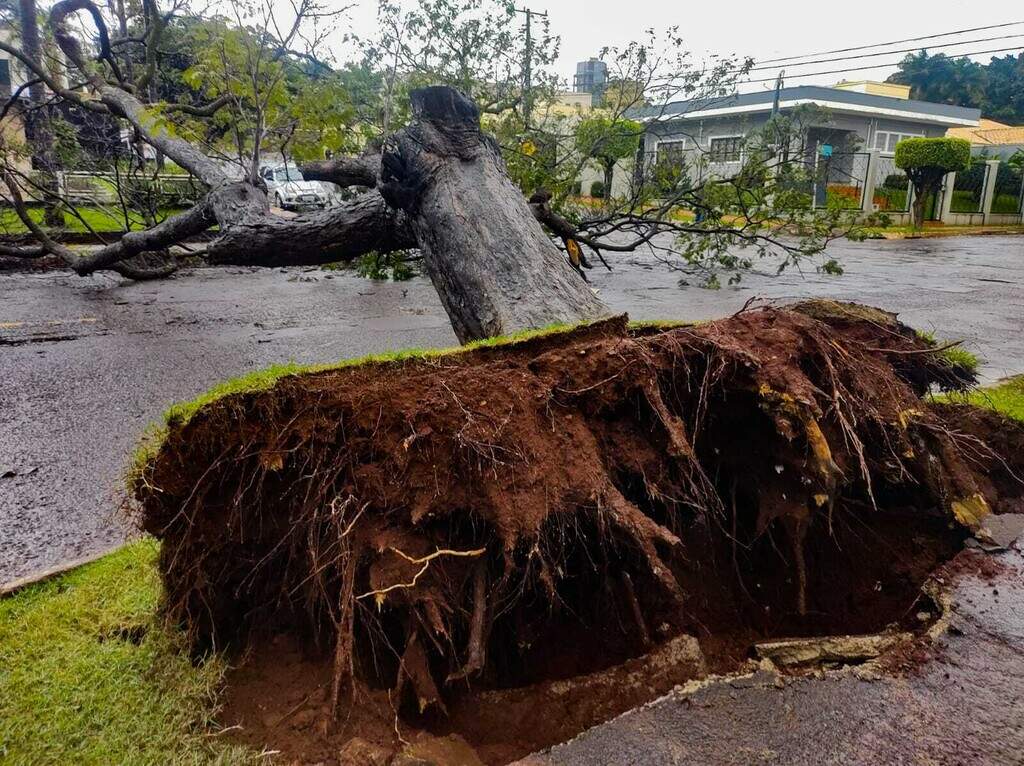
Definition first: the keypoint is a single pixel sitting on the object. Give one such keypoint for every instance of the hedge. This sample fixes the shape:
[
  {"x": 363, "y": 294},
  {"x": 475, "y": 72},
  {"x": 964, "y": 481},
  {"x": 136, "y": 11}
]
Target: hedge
[{"x": 946, "y": 154}]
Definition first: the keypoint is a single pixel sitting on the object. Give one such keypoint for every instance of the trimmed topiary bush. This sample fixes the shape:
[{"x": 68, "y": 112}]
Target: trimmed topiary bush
[{"x": 926, "y": 161}]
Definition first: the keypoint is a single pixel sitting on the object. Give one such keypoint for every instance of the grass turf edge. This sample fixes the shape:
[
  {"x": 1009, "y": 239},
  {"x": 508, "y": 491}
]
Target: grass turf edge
[{"x": 90, "y": 675}]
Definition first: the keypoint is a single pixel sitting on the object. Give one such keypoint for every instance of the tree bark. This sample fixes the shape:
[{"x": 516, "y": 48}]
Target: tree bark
[
  {"x": 494, "y": 268},
  {"x": 339, "y": 233},
  {"x": 39, "y": 117},
  {"x": 441, "y": 186}
]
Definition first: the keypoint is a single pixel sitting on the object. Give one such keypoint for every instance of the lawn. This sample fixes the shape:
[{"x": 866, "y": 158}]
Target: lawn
[
  {"x": 101, "y": 220},
  {"x": 88, "y": 675},
  {"x": 1006, "y": 396}
]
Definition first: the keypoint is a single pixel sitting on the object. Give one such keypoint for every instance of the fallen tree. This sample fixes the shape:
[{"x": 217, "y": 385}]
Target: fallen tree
[
  {"x": 438, "y": 183},
  {"x": 444, "y": 190},
  {"x": 508, "y": 516}
]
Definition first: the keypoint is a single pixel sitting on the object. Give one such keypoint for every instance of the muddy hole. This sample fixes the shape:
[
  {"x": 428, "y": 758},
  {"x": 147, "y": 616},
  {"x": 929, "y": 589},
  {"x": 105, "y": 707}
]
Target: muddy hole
[
  {"x": 470, "y": 558},
  {"x": 564, "y": 670}
]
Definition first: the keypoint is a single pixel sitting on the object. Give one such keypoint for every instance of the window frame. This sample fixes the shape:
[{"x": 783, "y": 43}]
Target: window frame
[
  {"x": 888, "y": 134},
  {"x": 672, "y": 149},
  {"x": 738, "y": 139}
]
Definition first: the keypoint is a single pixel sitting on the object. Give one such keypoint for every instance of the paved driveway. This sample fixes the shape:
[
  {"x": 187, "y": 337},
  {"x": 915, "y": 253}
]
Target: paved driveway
[{"x": 85, "y": 364}]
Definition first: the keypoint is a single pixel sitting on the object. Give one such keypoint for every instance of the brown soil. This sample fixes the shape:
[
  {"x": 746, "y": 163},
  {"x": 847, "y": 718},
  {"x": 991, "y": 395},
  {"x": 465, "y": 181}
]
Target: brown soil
[{"x": 439, "y": 545}]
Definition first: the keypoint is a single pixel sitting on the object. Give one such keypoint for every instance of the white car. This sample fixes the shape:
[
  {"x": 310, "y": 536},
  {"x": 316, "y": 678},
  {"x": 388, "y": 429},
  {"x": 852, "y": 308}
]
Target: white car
[{"x": 287, "y": 190}]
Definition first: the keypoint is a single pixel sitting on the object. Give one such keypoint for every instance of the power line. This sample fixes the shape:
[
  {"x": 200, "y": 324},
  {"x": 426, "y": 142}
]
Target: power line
[
  {"x": 872, "y": 66},
  {"x": 892, "y": 42},
  {"x": 890, "y": 53}
]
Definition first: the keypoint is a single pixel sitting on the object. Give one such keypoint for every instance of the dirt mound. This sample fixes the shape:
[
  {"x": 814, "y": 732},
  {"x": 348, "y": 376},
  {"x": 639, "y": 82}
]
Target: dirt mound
[{"x": 445, "y": 540}]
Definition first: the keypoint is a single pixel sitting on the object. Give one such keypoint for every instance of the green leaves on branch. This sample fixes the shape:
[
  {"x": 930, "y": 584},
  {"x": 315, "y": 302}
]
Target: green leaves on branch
[
  {"x": 608, "y": 139},
  {"x": 945, "y": 154}
]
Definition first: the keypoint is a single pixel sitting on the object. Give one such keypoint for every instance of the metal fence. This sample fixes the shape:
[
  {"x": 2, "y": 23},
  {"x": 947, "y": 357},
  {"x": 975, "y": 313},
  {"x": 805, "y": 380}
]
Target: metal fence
[
  {"x": 892, "y": 187},
  {"x": 969, "y": 189},
  {"x": 169, "y": 190},
  {"x": 840, "y": 181},
  {"x": 1009, "y": 190}
]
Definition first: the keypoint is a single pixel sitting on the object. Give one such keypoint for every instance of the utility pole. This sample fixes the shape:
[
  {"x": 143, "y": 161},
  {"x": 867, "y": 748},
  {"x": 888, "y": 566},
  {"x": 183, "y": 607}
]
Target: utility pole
[
  {"x": 775, "y": 110},
  {"x": 778, "y": 91},
  {"x": 528, "y": 64}
]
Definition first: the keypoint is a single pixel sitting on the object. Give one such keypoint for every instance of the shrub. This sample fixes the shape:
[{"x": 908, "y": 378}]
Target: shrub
[
  {"x": 597, "y": 189},
  {"x": 896, "y": 181},
  {"x": 926, "y": 161},
  {"x": 939, "y": 154}
]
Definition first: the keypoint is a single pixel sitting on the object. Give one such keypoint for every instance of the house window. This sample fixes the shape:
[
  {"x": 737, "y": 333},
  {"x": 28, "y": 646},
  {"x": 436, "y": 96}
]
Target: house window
[
  {"x": 885, "y": 140},
  {"x": 671, "y": 152},
  {"x": 726, "y": 149},
  {"x": 5, "y": 78}
]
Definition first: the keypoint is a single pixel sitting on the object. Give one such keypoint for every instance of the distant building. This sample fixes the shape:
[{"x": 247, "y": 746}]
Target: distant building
[
  {"x": 11, "y": 78},
  {"x": 858, "y": 117},
  {"x": 992, "y": 138},
  {"x": 846, "y": 145},
  {"x": 575, "y": 102},
  {"x": 873, "y": 88},
  {"x": 591, "y": 76}
]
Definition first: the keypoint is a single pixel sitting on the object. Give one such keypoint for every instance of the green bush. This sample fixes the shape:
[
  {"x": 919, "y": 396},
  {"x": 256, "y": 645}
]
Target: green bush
[
  {"x": 896, "y": 181},
  {"x": 597, "y": 189},
  {"x": 946, "y": 154}
]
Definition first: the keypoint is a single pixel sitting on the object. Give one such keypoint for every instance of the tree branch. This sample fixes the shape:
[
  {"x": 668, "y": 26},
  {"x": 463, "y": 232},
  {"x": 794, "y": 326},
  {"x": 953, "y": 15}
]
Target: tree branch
[
  {"x": 206, "y": 110},
  {"x": 363, "y": 170},
  {"x": 133, "y": 243},
  {"x": 123, "y": 104}
]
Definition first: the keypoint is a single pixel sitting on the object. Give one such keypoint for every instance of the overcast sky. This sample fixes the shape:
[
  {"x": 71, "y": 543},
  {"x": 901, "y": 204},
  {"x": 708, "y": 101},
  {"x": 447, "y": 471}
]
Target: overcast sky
[{"x": 783, "y": 28}]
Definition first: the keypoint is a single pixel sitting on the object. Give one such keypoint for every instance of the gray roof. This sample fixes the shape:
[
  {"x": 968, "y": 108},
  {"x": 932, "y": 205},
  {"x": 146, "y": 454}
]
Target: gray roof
[{"x": 748, "y": 102}]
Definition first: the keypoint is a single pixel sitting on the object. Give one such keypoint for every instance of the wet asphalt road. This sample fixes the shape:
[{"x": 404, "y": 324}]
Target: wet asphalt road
[{"x": 86, "y": 364}]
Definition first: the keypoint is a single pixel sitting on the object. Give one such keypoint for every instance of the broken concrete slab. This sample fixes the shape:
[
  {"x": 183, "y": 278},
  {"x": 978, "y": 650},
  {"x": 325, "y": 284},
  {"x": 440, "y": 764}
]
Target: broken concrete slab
[{"x": 828, "y": 649}]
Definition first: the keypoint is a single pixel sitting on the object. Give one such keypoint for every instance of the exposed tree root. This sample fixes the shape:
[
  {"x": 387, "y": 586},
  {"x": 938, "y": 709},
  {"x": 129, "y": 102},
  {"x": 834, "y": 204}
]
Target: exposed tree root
[{"x": 531, "y": 512}]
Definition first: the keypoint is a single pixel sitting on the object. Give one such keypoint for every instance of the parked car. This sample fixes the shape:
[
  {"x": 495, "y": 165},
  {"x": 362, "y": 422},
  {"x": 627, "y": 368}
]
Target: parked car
[{"x": 287, "y": 190}]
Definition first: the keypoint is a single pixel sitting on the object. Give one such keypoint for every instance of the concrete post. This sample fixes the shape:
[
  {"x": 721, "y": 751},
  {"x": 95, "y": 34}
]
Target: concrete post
[
  {"x": 947, "y": 197},
  {"x": 867, "y": 204},
  {"x": 989, "y": 194}
]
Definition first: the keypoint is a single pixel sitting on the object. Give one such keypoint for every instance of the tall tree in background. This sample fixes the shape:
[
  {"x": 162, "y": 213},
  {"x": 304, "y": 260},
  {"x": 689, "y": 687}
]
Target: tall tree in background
[
  {"x": 38, "y": 113},
  {"x": 1004, "y": 93},
  {"x": 997, "y": 88},
  {"x": 607, "y": 140}
]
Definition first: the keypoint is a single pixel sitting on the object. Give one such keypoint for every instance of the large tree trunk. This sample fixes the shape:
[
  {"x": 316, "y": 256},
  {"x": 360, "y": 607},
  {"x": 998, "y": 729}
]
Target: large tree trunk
[
  {"x": 441, "y": 187},
  {"x": 492, "y": 264},
  {"x": 39, "y": 117}
]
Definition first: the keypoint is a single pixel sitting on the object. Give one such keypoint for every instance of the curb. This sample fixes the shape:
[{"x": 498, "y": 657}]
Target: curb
[{"x": 14, "y": 586}]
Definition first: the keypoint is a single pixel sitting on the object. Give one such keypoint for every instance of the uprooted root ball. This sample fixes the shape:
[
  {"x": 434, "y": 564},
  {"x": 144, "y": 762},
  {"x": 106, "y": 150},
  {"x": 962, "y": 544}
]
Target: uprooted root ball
[{"x": 535, "y": 511}]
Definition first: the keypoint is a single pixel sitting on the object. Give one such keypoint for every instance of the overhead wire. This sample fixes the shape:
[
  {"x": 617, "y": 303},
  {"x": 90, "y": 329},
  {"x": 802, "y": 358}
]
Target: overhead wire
[{"x": 891, "y": 42}]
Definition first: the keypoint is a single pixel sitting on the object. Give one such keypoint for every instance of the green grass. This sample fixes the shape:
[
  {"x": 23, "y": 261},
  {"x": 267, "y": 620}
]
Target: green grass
[
  {"x": 89, "y": 676},
  {"x": 1006, "y": 203},
  {"x": 957, "y": 356},
  {"x": 1006, "y": 396},
  {"x": 933, "y": 228},
  {"x": 100, "y": 220}
]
